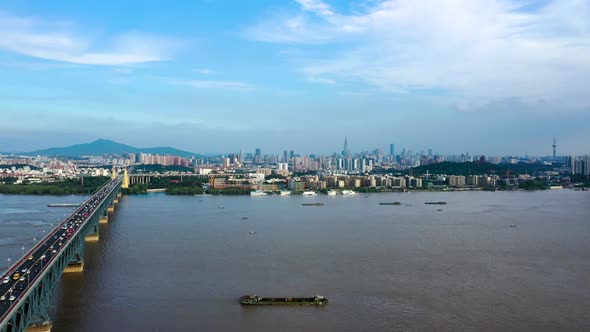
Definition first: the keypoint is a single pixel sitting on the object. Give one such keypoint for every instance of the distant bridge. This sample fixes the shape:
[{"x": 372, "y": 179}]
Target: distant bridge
[
  {"x": 26, "y": 289},
  {"x": 147, "y": 177}
]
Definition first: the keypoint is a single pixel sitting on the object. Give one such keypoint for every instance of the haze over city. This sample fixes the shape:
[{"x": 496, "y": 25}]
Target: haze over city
[{"x": 482, "y": 76}]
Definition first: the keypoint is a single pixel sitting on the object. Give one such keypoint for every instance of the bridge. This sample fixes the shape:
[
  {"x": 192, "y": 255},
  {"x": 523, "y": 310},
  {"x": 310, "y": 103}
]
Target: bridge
[
  {"x": 26, "y": 288},
  {"x": 145, "y": 178}
]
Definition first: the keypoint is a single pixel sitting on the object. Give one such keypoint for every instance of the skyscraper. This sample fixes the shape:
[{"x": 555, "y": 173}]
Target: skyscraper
[
  {"x": 258, "y": 153},
  {"x": 391, "y": 149},
  {"x": 345, "y": 150}
]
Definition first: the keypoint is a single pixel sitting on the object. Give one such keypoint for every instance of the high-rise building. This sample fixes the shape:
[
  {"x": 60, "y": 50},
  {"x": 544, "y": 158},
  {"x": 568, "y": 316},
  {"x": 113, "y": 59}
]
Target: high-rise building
[
  {"x": 258, "y": 153},
  {"x": 587, "y": 165},
  {"x": 391, "y": 149},
  {"x": 345, "y": 150}
]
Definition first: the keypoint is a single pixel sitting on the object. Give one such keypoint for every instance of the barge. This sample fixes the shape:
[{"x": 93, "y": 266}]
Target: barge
[
  {"x": 258, "y": 300},
  {"x": 393, "y": 203},
  {"x": 438, "y": 203},
  {"x": 63, "y": 205},
  {"x": 313, "y": 204}
]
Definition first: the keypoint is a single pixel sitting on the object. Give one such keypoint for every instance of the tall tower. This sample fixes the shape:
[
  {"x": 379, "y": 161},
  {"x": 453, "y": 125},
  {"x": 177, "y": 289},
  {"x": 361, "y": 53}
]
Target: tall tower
[
  {"x": 554, "y": 148},
  {"x": 345, "y": 150},
  {"x": 125, "y": 179}
]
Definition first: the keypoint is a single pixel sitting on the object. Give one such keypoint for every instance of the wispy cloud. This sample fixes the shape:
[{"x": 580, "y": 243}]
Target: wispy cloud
[
  {"x": 60, "y": 42},
  {"x": 209, "y": 84},
  {"x": 316, "y": 6},
  {"x": 203, "y": 71},
  {"x": 476, "y": 51}
]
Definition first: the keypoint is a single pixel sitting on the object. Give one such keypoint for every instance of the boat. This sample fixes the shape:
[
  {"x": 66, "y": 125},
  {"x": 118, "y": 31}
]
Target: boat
[
  {"x": 348, "y": 192},
  {"x": 284, "y": 193},
  {"x": 257, "y": 193},
  {"x": 313, "y": 204},
  {"x": 332, "y": 192},
  {"x": 392, "y": 203},
  {"x": 244, "y": 218},
  {"x": 252, "y": 232},
  {"x": 258, "y": 300},
  {"x": 63, "y": 205},
  {"x": 438, "y": 203},
  {"x": 309, "y": 193}
]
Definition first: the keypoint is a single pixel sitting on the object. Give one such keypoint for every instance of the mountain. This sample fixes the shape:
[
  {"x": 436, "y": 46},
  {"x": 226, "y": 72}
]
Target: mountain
[{"x": 103, "y": 146}]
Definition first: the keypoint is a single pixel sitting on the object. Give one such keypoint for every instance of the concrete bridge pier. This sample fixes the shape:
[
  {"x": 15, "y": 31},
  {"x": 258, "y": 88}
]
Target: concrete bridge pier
[
  {"x": 75, "y": 266},
  {"x": 111, "y": 208},
  {"x": 104, "y": 218},
  {"x": 92, "y": 235},
  {"x": 42, "y": 326}
]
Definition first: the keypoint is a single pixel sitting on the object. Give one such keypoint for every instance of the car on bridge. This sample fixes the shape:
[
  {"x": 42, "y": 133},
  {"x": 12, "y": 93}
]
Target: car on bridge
[
  {"x": 6, "y": 280},
  {"x": 16, "y": 276}
]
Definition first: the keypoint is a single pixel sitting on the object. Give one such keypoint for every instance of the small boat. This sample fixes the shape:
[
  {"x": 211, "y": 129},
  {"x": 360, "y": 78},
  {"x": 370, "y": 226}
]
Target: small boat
[
  {"x": 252, "y": 232},
  {"x": 257, "y": 193},
  {"x": 313, "y": 204},
  {"x": 392, "y": 203},
  {"x": 348, "y": 192},
  {"x": 220, "y": 207},
  {"x": 332, "y": 192},
  {"x": 439, "y": 209},
  {"x": 513, "y": 226},
  {"x": 244, "y": 218},
  {"x": 284, "y": 193},
  {"x": 438, "y": 203},
  {"x": 309, "y": 193},
  {"x": 258, "y": 300}
]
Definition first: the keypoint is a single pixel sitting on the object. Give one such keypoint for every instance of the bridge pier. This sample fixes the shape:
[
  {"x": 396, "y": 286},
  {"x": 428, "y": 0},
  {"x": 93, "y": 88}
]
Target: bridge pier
[
  {"x": 103, "y": 220},
  {"x": 75, "y": 266},
  {"x": 91, "y": 237},
  {"x": 111, "y": 208},
  {"x": 44, "y": 326}
]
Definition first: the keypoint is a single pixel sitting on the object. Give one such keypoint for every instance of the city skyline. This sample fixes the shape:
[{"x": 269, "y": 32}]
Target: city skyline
[
  {"x": 385, "y": 150},
  {"x": 297, "y": 74}
]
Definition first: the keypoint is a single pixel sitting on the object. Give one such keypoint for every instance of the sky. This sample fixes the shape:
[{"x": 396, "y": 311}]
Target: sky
[{"x": 494, "y": 77}]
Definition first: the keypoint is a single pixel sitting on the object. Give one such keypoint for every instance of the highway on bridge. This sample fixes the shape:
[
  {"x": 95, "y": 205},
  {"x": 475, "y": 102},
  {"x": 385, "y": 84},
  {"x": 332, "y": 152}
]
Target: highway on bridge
[{"x": 23, "y": 274}]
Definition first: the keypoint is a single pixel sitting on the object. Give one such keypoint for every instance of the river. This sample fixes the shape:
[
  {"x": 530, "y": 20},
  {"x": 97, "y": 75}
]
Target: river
[{"x": 170, "y": 263}]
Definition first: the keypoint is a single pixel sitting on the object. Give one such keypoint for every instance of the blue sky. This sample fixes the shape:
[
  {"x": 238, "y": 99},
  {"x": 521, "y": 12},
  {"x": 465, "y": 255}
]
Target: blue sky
[{"x": 479, "y": 76}]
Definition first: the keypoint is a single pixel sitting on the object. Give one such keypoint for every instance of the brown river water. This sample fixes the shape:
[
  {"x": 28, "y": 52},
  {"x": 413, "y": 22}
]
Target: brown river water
[{"x": 169, "y": 263}]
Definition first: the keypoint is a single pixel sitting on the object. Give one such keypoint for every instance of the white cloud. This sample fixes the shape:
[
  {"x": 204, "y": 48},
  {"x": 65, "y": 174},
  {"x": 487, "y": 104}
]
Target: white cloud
[
  {"x": 217, "y": 85},
  {"x": 58, "y": 42},
  {"x": 474, "y": 51},
  {"x": 204, "y": 71},
  {"x": 316, "y": 6}
]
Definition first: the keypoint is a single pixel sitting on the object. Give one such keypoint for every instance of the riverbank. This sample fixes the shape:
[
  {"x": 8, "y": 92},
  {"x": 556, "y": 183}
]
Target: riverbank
[{"x": 86, "y": 185}]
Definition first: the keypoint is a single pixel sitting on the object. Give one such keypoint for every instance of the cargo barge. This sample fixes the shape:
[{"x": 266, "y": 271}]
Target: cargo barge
[
  {"x": 258, "y": 300},
  {"x": 438, "y": 203},
  {"x": 313, "y": 204},
  {"x": 63, "y": 205},
  {"x": 393, "y": 203}
]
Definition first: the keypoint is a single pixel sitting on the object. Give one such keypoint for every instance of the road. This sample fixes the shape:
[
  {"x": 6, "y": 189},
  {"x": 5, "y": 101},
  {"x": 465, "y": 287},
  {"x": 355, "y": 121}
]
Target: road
[{"x": 17, "y": 280}]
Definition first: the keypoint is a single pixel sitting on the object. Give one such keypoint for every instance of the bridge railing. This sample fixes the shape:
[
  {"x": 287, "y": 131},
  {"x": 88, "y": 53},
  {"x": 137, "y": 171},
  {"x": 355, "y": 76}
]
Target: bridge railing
[{"x": 15, "y": 265}]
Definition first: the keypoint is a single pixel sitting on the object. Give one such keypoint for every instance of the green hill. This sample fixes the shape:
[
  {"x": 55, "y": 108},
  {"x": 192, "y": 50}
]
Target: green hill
[{"x": 106, "y": 147}]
